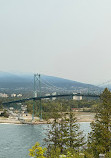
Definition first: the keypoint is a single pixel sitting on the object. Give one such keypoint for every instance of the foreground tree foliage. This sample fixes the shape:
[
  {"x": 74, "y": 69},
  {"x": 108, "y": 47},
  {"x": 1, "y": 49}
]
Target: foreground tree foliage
[
  {"x": 37, "y": 151},
  {"x": 100, "y": 137},
  {"x": 75, "y": 136},
  {"x": 65, "y": 134}
]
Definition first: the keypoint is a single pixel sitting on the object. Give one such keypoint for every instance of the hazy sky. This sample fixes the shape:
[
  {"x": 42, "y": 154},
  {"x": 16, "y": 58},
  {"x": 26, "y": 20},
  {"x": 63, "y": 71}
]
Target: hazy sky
[{"x": 64, "y": 38}]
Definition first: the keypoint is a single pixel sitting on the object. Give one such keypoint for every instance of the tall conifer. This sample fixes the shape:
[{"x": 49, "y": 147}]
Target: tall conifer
[
  {"x": 65, "y": 134},
  {"x": 100, "y": 137},
  {"x": 75, "y": 136}
]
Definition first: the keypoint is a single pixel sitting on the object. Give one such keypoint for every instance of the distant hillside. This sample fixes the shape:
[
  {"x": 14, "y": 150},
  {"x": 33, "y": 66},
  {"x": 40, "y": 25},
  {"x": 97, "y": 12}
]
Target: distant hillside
[
  {"x": 25, "y": 81},
  {"x": 9, "y": 80}
]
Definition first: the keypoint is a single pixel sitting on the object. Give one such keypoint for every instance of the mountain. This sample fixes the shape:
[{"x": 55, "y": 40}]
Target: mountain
[{"x": 49, "y": 83}]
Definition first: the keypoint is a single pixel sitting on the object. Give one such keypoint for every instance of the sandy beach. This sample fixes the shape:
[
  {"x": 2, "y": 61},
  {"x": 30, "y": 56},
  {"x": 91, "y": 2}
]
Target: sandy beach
[
  {"x": 81, "y": 117},
  {"x": 85, "y": 116}
]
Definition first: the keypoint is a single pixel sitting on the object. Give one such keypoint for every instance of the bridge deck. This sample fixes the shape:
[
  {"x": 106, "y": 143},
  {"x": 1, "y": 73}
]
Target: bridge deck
[{"x": 52, "y": 96}]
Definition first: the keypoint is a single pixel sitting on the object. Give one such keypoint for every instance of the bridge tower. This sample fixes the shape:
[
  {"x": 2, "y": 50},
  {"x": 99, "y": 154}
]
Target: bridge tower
[{"x": 37, "y": 93}]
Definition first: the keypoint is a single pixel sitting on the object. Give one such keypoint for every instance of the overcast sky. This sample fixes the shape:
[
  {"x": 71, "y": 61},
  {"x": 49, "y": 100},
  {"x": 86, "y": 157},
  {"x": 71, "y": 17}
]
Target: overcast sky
[{"x": 64, "y": 38}]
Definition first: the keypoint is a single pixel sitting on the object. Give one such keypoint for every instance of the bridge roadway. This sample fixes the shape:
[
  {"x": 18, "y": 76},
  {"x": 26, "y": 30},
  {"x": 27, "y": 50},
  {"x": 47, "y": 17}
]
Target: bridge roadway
[{"x": 52, "y": 96}]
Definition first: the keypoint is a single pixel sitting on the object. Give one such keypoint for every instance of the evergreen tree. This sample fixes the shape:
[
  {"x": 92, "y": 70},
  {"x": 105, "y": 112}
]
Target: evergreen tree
[
  {"x": 64, "y": 134},
  {"x": 100, "y": 137},
  {"x": 53, "y": 136},
  {"x": 75, "y": 136}
]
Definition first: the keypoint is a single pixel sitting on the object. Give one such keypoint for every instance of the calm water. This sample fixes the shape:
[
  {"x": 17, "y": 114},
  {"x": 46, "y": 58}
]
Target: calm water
[{"x": 15, "y": 140}]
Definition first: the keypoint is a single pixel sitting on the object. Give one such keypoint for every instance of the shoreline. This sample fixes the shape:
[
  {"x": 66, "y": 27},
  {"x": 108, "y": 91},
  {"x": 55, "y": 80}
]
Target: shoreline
[
  {"x": 39, "y": 123},
  {"x": 81, "y": 117}
]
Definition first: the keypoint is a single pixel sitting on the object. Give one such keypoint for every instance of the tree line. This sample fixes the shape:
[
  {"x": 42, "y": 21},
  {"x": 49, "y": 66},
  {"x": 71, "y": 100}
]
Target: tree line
[{"x": 48, "y": 106}]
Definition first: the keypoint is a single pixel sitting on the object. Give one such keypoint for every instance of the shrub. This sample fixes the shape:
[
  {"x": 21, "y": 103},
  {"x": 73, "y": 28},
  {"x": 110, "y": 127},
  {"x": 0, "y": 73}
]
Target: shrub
[
  {"x": 37, "y": 151},
  {"x": 4, "y": 114}
]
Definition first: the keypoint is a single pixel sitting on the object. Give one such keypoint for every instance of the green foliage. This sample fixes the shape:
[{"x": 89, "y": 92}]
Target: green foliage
[
  {"x": 88, "y": 154},
  {"x": 4, "y": 114},
  {"x": 75, "y": 136},
  {"x": 64, "y": 134},
  {"x": 99, "y": 140},
  {"x": 1, "y": 107},
  {"x": 54, "y": 152},
  {"x": 108, "y": 155},
  {"x": 48, "y": 106},
  {"x": 29, "y": 106},
  {"x": 37, "y": 151}
]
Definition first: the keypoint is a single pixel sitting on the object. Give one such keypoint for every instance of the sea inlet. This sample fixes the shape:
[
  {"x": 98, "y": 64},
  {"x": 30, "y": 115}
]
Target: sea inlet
[{"x": 16, "y": 140}]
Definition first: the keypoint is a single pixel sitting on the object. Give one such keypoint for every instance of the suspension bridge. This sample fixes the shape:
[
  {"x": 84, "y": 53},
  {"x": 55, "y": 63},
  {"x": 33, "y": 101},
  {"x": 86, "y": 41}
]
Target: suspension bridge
[{"x": 38, "y": 96}]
